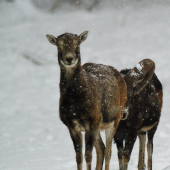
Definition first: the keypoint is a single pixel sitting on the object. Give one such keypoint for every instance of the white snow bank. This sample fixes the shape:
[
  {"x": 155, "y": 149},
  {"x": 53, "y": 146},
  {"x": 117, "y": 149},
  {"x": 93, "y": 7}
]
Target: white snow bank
[{"x": 121, "y": 34}]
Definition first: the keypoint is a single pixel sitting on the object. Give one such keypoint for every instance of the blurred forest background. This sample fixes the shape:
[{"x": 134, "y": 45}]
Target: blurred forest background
[{"x": 53, "y": 5}]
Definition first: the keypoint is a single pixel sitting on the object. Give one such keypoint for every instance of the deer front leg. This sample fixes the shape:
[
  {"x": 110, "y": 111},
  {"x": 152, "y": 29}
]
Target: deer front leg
[
  {"x": 119, "y": 144},
  {"x": 89, "y": 143},
  {"x": 109, "y": 136},
  {"x": 129, "y": 143},
  {"x": 76, "y": 137},
  {"x": 100, "y": 148},
  {"x": 141, "y": 161}
]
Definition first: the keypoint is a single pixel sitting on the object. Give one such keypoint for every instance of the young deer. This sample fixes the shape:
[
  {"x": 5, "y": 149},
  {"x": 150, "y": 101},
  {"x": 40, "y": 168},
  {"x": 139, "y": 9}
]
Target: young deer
[
  {"x": 143, "y": 110},
  {"x": 92, "y": 97}
]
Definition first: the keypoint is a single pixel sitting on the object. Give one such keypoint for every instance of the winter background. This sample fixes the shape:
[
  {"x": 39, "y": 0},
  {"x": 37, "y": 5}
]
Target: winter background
[{"x": 121, "y": 33}]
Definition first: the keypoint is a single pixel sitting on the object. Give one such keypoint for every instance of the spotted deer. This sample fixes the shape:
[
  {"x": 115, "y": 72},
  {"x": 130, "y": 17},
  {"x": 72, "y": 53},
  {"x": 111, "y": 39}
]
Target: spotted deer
[{"x": 142, "y": 112}]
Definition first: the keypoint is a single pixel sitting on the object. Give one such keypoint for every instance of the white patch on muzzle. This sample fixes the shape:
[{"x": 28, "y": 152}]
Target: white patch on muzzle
[{"x": 69, "y": 66}]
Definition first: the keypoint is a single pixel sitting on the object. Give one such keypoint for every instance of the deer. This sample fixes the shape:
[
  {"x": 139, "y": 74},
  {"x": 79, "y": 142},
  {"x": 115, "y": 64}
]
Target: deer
[
  {"x": 92, "y": 97},
  {"x": 141, "y": 115}
]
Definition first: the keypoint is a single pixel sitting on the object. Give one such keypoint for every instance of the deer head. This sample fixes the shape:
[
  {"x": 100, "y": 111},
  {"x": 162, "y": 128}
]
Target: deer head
[
  {"x": 68, "y": 48},
  {"x": 136, "y": 80}
]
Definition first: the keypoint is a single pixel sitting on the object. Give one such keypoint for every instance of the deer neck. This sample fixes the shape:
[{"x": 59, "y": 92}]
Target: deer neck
[{"x": 72, "y": 78}]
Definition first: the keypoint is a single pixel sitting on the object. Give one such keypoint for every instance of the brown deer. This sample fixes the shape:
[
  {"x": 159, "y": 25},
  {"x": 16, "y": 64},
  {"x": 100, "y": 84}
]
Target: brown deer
[
  {"x": 92, "y": 97},
  {"x": 142, "y": 110}
]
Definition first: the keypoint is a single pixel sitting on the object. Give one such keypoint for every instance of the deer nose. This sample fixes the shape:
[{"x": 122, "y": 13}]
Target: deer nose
[{"x": 69, "y": 59}]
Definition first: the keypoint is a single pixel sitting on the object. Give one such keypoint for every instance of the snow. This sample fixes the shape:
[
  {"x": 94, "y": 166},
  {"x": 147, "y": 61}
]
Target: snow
[
  {"x": 139, "y": 66},
  {"x": 167, "y": 168},
  {"x": 134, "y": 73},
  {"x": 121, "y": 33}
]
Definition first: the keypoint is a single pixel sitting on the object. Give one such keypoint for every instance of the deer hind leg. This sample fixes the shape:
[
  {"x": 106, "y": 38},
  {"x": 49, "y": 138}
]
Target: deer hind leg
[
  {"x": 141, "y": 160},
  {"x": 100, "y": 148},
  {"x": 150, "y": 146},
  {"x": 109, "y": 136},
  {"x": 77, "y": 141}
]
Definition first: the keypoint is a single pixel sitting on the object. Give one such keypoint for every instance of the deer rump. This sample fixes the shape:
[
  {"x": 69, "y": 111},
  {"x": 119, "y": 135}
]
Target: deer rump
[{"x": 105, "y": 84}]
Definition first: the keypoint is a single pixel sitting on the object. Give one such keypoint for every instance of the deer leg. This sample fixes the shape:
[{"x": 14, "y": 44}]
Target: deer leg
[
  {"x": 100, "y": 148},
  {"x": 89, "y": 143},
  {"x": 141, "y": 160},
  {"x": 150, "y": 146},
  {"x": 109, "y": 136},
  {"x": 129, "y": 143},
  {"x": 119, "y": 145},
  {"x": 77, "y": 141}
]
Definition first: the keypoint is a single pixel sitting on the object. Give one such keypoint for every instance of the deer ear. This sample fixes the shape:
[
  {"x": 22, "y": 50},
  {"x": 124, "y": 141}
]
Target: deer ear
[
  {"x": 140, "y": 75},
  {"x": 51, "y": 39},
  {"x": 83, "y": 36}
]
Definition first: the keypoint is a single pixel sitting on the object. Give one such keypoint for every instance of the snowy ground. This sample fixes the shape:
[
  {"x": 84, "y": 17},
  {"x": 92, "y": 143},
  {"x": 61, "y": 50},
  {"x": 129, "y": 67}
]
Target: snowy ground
[{"x": 121, "y": 34}]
